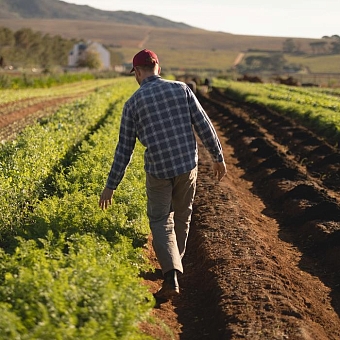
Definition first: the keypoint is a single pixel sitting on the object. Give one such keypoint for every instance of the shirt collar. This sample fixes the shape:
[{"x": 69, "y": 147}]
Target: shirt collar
[{"x": 149, "y": 79}]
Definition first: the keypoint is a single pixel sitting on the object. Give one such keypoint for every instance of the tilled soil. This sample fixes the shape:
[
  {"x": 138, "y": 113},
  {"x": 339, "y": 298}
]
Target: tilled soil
[{"x": 262, "y": 259}]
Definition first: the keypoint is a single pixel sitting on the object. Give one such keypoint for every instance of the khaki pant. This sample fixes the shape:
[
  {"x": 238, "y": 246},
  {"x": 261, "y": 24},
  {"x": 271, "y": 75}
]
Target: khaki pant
[{"x": 169, "y": 211}]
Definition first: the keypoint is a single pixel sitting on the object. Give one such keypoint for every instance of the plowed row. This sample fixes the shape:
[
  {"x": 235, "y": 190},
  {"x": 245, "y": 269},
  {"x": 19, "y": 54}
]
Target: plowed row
[
  {"x": 296, "y": 173},
  {"x": 262, "y": 258}
]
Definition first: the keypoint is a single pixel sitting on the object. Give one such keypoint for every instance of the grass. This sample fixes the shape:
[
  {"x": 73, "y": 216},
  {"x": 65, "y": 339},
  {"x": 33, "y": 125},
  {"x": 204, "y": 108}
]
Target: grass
[{"x": 317, "y": 63}]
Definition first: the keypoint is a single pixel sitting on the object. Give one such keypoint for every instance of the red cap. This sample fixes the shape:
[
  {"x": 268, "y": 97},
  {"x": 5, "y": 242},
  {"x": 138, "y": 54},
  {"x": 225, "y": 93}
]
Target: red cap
[{"x": 144, "y": 58}]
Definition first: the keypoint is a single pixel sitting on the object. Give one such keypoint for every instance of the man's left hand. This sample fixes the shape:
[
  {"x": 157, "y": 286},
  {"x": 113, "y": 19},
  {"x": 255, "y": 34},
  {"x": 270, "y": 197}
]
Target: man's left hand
[{"x": 219, "y": 170}]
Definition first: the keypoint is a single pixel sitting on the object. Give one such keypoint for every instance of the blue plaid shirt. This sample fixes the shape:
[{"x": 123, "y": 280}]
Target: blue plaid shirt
[{"x": 162, "y": 114}]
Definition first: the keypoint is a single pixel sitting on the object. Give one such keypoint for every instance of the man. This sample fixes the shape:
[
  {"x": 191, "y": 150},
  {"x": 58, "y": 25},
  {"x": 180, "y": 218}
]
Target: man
[{"x": 163, "y": 115}]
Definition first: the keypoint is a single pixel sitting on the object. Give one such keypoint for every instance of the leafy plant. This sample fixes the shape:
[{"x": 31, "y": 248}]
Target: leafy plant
[
  {"x": 88, "y": 291},
  {"x": 312, "y": 108},
  {"x": 72, "y": 271}
]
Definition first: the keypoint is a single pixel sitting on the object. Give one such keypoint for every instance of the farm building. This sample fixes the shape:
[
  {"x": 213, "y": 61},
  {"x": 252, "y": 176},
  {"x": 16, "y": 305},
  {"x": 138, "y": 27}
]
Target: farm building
[{"x": 81, "y": 50}]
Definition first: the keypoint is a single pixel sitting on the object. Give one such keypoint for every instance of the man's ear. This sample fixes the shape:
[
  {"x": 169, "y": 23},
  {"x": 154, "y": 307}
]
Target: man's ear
[
  {"x": 159, "y": 69},
  {"x": 138, "y": 72}
]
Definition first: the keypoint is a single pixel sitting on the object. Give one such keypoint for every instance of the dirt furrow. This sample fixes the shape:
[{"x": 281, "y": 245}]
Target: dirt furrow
[
  {"x": 262, "y": 253},
  {"x": 319, "y": 158}
]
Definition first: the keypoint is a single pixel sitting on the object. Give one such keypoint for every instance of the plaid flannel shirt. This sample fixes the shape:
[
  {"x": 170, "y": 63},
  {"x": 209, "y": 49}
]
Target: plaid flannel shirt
[{"x": 162, "y": 115}]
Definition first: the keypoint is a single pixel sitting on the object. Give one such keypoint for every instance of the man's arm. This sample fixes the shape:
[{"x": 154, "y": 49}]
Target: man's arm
[
  {"x": 122, "y": 157},
  {"x": 207, "y": 133}
]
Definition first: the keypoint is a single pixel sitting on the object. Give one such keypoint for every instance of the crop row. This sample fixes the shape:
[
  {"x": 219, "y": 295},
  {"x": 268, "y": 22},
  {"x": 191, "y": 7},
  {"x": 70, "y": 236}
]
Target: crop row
[
  {"x": 39, "y": 150},
  {"x": 301, "y": 96},
  {"x": 12, "y": 96},
  {"x": 28, "y": 102},
  {"x": 67, "y": 269},
  {"x": 316, "y": 110},
  {"x": 15, "y": 81}
]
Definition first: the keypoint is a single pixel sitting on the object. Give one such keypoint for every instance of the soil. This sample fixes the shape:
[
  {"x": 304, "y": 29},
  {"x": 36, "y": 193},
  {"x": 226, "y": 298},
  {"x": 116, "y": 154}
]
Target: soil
[{"x": 262, "y": 256}]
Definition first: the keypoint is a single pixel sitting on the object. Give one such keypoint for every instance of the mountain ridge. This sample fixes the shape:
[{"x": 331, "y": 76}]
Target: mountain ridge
[{"x": 55, "y": 9}]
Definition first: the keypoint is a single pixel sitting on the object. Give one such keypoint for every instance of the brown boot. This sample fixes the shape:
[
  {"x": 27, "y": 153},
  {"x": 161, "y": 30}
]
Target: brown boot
[{"x": 170, "y": 286}]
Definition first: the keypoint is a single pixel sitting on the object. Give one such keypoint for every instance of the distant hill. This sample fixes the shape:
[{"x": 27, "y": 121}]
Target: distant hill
[
  {"x": 178, "y": 45},
  {"x": 54, "y": 9}
]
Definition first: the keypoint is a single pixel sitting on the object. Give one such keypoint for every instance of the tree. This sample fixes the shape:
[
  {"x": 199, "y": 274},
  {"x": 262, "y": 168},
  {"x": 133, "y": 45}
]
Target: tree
[
  {"x": 318, "y": 46},
  {"x": 335, "y": 49},
  {"x": 277, "y": 61},
  {"x": 254, "y": 61},
  {"x": 289, "y": 46},
  {"x": 28, "y": 48},
  {"x": 6, "y": 37},
  {"x": 91, "y": 59},
  {"x": 274, "y": 62},
  {"x": 24, "y": 38}
]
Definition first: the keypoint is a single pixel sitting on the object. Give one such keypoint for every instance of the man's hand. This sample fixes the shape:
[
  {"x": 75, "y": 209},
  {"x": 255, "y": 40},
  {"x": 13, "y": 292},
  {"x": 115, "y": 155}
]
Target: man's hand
[
  {"x": 219, "y": 170},
  {"x": 106, "y": 198}
]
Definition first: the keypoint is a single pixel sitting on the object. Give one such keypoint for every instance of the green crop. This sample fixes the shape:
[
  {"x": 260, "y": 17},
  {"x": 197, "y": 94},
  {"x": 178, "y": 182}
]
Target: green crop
[
  {"x": 69, "y": 270},
  {"x": 312, "y": 108},
  {"x": 89, "y": 291}
]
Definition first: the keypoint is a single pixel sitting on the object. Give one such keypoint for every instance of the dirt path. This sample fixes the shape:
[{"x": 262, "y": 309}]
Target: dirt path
[
  {"x": 264, "y": 243},
  {"x": 143, "y": 42},
  {"x": 238, "y": 59}
]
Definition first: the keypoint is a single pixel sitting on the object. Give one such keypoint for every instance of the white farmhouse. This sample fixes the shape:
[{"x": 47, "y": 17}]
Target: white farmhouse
[{"x": 79, "y": 51}]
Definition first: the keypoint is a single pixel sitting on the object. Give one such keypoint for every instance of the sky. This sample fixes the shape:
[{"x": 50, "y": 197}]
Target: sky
[{"x": 275, "y": 18}]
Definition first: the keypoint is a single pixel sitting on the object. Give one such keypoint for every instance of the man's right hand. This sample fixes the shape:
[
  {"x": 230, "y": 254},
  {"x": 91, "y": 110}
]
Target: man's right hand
[{"x": 106, "y": 198}]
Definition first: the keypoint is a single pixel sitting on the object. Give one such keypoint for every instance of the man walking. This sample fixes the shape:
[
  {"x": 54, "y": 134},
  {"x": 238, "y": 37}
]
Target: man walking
[{"x": 164, "y": 115}]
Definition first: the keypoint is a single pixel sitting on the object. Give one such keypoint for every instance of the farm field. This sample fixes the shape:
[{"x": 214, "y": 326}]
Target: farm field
[
  {"x": 188, "y": 49},
  {"x": 19, "y": 108},
  {"x": 263, "y": 249}
]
